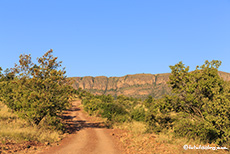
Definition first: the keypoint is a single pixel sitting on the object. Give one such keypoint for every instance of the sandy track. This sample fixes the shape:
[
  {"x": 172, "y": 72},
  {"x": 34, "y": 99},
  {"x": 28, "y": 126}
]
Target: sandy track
[{"x": 90, "y": 138}]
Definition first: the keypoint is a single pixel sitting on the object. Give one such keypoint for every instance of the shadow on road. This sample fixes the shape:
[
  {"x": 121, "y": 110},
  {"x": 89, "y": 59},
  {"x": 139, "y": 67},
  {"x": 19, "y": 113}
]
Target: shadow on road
[{"x": 73, "y": 125}]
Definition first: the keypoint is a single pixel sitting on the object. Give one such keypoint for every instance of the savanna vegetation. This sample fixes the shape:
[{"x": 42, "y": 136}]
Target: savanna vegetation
[
  {"x": 197, "y": 110},
  {"x": 32, "y": 100},
  {"x": 34, "y": 96}
]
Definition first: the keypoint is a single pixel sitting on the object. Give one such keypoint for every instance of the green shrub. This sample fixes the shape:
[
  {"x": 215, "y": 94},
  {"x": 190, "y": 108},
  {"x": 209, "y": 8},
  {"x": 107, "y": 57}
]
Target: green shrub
[
  {"x": 149, "y": 101},
  {"x": 106, "y": 107},
  {"x": 108, "y": 110},
  {"x": 92, "y": 106},
  {"x": 196, "y": 130},
  {"x": 158, "y": 122},
  {"x": 138, "y": 114}
]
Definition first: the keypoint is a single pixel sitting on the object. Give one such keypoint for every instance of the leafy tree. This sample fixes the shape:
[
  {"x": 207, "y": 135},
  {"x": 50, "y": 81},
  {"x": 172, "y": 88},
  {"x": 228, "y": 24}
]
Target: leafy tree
[
  {"x": 38, "y": 92},
  {"x": 204, "y": 96}
]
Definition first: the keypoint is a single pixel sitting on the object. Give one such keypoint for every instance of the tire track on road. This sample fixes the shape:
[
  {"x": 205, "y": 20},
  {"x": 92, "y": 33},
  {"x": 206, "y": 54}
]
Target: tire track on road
[{"x": 89, "y": 139}]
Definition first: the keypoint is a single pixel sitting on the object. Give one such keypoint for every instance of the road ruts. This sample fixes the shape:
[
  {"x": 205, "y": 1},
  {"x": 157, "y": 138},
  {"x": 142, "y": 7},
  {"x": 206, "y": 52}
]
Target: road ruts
[{"x": 90, "y": 139}]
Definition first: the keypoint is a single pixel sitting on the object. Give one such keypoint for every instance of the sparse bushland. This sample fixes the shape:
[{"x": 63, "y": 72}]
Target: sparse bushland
[
  {"x": 197, "y": 112},
  {"x": 199, "y": 108},
  {"x": 32, "y": 100},
  {"x": 106, "y": 107}
]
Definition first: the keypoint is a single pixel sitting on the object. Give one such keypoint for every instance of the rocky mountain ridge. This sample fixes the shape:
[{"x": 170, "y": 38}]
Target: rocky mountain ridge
[{"x": 137, "y": 85}]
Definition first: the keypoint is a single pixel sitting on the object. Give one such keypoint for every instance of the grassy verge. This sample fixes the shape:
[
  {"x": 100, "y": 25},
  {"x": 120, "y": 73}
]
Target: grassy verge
[
  {"x": 136, "y": 140},
  {"x": 16, "y": 132}
]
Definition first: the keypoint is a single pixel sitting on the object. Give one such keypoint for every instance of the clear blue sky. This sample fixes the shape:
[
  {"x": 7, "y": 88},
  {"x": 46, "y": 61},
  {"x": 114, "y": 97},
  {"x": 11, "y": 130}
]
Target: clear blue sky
[{"x": 116, "y": 37}]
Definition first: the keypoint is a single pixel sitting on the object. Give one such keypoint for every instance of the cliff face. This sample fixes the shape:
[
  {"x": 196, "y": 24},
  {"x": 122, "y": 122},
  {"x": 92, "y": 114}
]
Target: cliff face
[
  {"x": 224, "y": 75},
  {"x": 138, "y": 85}
]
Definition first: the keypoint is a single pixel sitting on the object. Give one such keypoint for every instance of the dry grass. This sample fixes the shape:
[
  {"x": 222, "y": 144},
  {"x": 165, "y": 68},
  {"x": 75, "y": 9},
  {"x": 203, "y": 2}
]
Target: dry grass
[
  {"x": 134, "y": 127},
  {"x": 18, "y": 130},
  {"x": 135, "y": 140}
]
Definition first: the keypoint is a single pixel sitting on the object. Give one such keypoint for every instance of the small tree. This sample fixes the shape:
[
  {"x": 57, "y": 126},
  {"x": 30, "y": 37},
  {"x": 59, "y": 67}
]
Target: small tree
[
  {"x": 195, "y": 88},
  {"x": 38, "y": 92},
  {"x": 204, "y": 96}
]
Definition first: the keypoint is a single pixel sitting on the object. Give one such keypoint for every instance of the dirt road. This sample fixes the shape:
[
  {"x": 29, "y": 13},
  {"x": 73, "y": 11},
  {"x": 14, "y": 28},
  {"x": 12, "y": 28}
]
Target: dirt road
[{"x": 86, "y": 138}]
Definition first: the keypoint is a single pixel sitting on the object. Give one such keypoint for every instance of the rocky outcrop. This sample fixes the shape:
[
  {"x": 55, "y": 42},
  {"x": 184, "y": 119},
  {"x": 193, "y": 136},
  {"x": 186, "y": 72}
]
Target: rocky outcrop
[
  {"x": 224, "y": 75},
  {"x": 137, "y": 85}
]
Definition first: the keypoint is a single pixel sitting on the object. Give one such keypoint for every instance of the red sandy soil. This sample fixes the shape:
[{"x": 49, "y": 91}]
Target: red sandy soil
[{"x": 86, "y": 137}]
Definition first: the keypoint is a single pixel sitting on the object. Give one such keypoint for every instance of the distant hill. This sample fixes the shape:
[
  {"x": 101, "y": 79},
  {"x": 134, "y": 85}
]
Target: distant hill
[{"x": 137, "y": 85}]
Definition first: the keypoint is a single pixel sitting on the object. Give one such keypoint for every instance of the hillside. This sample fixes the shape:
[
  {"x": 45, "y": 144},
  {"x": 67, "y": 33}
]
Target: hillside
[{"x": 137, "y": 85}]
